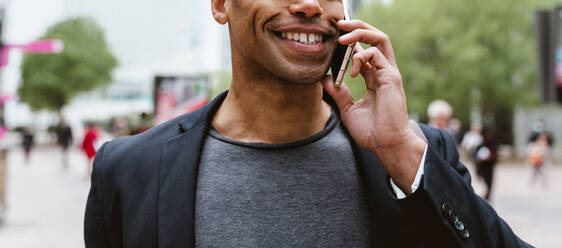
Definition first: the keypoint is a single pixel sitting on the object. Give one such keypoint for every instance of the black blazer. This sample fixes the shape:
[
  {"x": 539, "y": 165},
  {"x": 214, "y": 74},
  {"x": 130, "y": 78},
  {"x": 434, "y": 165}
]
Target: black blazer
[{"x": 143, "y": 193}]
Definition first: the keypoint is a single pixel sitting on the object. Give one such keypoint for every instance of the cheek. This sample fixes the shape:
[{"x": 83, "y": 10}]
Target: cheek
[
  {"x": 258, "y": 12},
  {"x": 333, "y": 9},
  {"x": 248, "y": 21}
]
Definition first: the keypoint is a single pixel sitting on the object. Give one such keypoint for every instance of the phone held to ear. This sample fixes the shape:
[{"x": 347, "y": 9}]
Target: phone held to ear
[{"x": 343, "y": 54}]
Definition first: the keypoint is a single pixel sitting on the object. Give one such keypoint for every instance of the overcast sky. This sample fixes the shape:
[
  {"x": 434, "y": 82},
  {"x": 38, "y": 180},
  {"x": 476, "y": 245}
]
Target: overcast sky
[{"x": 28, "y": 19}]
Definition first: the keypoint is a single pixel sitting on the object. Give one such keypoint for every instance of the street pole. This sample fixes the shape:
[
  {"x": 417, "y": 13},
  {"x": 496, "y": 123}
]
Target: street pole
[
  {"x": 3, "y": 150},
  {"x": 2, "y": 124}
]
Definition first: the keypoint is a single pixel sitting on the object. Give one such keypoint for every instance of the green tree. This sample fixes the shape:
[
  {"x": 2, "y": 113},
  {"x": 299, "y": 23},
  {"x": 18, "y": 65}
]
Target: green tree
[
  {"x": 480, "y": 53},
  {"x": 50, "y": 81}
]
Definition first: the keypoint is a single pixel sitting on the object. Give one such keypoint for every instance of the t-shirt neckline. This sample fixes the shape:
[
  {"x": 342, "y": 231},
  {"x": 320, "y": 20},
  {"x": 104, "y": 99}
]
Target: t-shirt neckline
[{"x": 330, "y": 125}]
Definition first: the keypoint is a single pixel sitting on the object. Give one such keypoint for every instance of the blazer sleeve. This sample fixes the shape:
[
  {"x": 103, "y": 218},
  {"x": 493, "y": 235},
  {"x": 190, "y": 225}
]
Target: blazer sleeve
[
  {"x": 94, "y": 231},
  {"x": 445, "y": 211}
]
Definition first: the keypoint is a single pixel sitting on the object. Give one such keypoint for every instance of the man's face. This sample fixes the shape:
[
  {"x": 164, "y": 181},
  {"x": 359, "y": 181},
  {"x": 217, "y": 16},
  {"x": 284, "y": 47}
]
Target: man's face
[
  {"x": 291, "y": 39},
  {"x": 442, "y": 120}
]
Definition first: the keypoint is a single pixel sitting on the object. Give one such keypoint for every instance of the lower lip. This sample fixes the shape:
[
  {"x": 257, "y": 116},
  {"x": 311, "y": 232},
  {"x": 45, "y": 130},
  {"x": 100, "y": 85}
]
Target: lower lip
[{"x": 312, "y": 49}]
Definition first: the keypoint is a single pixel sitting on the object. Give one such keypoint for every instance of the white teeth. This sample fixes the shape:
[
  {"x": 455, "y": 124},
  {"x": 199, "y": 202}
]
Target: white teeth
[{"x": 305, "y": 38}]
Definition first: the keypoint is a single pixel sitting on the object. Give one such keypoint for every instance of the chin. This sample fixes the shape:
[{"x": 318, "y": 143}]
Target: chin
[
  {"x": 300, "y": 74},
  {"x": 304, "y": 77}
]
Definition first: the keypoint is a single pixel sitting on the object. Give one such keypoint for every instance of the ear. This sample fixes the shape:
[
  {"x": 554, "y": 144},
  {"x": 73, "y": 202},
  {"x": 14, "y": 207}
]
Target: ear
[{"x": 219, "y": 8}]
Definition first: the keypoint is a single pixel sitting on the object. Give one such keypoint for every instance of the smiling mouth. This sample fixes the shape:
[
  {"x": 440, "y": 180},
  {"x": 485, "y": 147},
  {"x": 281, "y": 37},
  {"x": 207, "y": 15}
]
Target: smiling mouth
[{"x": 301, "y": 37}]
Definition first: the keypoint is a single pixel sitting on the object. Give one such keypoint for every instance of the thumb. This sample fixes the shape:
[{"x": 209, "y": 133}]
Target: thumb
[{"x": 341, "y": 94}]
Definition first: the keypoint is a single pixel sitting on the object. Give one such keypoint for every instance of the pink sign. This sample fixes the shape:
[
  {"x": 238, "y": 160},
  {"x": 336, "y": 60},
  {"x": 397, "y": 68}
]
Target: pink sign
[
  {"x": 7, "y": 97},
  {"x": 41, "y": 46}
]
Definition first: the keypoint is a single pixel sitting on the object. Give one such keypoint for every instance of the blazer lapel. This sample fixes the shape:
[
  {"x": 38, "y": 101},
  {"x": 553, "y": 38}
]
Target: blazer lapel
[
  {"x": 377, "y": 185},
  {"x": 178, "y": 178}
]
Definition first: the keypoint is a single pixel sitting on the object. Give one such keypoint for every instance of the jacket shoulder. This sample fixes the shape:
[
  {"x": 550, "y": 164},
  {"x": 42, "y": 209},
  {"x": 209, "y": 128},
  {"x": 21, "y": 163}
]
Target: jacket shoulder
[
  {"x": 138, "y": 154},
  {"x": 144, "y": 144},
  {"x": 137, "y": 145}
]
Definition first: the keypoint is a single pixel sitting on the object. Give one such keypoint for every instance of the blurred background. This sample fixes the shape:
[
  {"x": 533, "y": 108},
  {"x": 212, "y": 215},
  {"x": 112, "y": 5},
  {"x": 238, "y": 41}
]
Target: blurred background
[{"x": 77, "y": 73}]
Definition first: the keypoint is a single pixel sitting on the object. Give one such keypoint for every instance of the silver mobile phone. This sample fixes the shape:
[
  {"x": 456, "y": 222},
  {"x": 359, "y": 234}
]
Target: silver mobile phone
[{"x": 343, "y": 54}]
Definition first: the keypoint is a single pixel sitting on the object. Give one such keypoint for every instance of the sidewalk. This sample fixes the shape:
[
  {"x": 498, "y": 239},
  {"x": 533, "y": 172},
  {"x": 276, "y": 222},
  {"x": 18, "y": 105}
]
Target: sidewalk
[
  {"x": 533, "y": 212},
  {"x": 46, "y": 203}
]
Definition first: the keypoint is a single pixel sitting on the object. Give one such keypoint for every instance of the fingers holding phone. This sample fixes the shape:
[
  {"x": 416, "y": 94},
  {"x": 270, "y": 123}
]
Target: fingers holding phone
[
  {"x": 376, "y": 63},
  {"x": 359, "y": 31},
  {"x": 368, "y": 59}
]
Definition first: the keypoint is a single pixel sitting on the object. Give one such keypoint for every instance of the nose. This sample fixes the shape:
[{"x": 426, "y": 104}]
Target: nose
[{"x": 308, "y": 8}]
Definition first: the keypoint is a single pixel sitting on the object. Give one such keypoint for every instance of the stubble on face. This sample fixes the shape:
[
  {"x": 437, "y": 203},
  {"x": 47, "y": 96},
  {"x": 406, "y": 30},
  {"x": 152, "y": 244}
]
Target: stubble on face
[{"x": 260, "y": 49}]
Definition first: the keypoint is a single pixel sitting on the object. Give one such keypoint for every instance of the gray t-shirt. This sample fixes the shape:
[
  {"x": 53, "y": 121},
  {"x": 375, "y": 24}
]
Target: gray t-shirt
[{"x": 303, "y": 194}]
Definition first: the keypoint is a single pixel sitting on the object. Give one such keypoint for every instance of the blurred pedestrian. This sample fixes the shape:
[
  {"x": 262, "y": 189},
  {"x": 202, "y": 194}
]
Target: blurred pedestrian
[
  {"x": 64, "y": 139},
  {"x": 538, "y": 157},
  {"x": 89, "y": 145},
  {"x": 472, "y": 139},
  {"x": 121, "y": 127},
  {"x": 455, "y": 126},
  {"x": 143, "y": 124},
  {"x": 485, "y": 158},
  {"x": 439, "y": 113},
  {"x": 27, "y": 142},
  {"x": 538, "y": 129}
]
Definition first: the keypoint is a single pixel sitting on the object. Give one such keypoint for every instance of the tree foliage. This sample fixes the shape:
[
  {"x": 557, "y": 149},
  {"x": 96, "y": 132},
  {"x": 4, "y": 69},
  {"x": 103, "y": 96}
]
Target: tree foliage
[
  {"x": 50, "y": 81},
  {"x": 479, "y": 53}
]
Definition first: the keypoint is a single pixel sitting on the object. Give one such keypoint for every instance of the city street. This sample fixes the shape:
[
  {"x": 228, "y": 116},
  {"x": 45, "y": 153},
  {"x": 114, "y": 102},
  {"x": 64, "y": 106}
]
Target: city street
[
  {"x": 534, "y": 213},
  {"x": 46, "y": 202}
]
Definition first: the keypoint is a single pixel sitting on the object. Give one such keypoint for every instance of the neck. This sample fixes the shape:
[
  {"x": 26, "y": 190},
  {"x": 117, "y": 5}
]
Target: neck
[{"x": 268, "y": 110}]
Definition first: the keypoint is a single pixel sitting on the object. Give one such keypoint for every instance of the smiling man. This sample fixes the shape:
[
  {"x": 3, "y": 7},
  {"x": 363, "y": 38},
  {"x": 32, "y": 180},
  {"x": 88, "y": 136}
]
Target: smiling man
[{"x": 287, "y": 159}]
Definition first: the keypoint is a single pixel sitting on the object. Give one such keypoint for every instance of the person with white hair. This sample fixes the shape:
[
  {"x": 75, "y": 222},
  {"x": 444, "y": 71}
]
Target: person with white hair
[{"x": 439, "y": 113}]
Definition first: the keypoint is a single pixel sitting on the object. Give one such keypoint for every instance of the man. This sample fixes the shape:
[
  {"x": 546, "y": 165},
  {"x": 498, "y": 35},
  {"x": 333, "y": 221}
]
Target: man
[
  {"x": 439, "y": 113},
  {"x": 27, "y": 139},
  {"x": 275, "y": 162},
  {"x": 64, "y": 139}
]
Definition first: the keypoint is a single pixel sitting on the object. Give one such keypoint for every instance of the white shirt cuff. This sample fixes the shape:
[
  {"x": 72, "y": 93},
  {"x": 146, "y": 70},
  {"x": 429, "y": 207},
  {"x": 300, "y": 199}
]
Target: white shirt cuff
[{"x": 399, "y": 193}]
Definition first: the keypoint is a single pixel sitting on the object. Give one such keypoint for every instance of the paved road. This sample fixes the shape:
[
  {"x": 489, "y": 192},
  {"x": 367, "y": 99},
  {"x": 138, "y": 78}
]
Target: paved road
[{"x": 46, "y": 202}]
